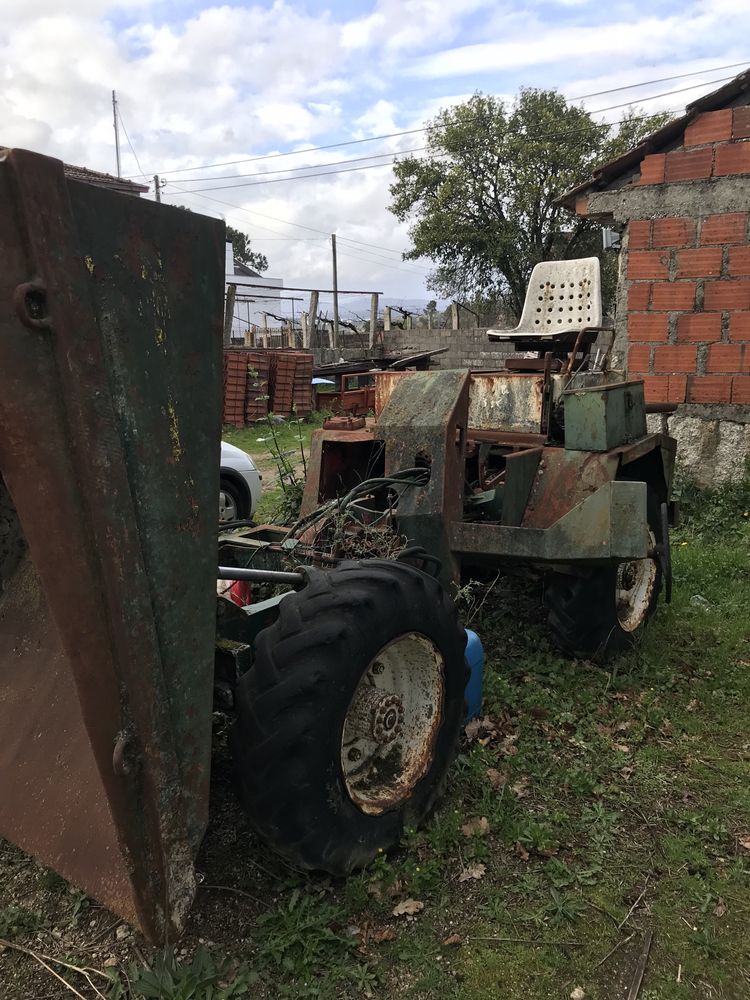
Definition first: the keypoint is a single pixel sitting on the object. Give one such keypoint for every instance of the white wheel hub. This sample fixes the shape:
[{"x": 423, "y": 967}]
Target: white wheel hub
[
  {"x": 227, "y": 508},
  {"x": 390, "y": 729},
  {"x": 635, "y": 588}
]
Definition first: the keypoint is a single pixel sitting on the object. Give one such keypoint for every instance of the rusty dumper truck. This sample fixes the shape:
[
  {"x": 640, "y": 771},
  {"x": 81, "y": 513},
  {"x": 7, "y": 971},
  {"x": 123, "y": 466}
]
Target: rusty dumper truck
[{"x": 346, "y": 684}]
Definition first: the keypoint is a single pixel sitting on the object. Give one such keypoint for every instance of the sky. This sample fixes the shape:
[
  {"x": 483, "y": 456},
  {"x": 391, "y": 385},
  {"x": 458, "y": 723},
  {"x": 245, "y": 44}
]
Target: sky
[{"x": 201, "y": 84}]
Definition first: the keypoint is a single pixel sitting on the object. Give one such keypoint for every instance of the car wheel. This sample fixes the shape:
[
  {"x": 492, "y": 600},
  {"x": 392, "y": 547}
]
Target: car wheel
[{"x": 233, "y": 506}]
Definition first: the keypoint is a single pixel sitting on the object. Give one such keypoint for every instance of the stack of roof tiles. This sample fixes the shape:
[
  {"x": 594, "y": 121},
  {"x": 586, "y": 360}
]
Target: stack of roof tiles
[
  {"x": 259, "y": 381},
  {"x": 291, "y": 389}
]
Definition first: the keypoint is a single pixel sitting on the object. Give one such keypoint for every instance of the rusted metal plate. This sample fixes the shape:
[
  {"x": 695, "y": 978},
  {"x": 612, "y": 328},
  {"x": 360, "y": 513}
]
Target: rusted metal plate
[
  {"x": 564, "y": 478},
  {"x": 609, "y": 525},
  {"x": 110, "y": 330},
  {"x": 507, "y": 401}
]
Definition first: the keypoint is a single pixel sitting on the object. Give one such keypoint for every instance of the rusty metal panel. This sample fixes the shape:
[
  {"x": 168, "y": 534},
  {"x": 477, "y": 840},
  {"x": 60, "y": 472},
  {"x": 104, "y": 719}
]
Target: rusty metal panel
[
  {"x": 110, "y": 331},
  {"x": 610, "y": 525},
  {"x": 424, "y": 425},
  {"x": 564, "y": 478},
  {"x": 497, "y": 400},
  {"x": 506, "y": 400}
]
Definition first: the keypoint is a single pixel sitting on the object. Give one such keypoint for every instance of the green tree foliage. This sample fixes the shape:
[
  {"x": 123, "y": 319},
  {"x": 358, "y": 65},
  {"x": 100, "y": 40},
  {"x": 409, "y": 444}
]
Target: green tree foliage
[
  {"x": 482, "y": 198},
  {"x": 243, "y": 253}
]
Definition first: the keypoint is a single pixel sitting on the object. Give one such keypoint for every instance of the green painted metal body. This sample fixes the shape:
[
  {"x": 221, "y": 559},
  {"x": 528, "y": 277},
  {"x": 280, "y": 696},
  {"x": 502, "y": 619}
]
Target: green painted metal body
[
  {"x": 599, "y": 418},
  {"x": 545, "y": 504}
]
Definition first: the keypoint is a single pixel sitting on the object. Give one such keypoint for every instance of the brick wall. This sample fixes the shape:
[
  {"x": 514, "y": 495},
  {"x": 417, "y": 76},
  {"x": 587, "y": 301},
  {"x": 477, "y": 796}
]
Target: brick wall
[{"x": 687, "y": 275}]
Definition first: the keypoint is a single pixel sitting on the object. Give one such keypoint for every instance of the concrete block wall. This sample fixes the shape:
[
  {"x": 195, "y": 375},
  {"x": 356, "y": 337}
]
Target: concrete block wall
[
  {"x": 688, "y": 274},
  {"x": 467, "y": 348}
]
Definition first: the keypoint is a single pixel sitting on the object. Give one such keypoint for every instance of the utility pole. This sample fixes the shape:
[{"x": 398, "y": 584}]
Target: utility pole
[
  {"x": 335, "y": 293},
  {"x": 229, "y": 314},
  {"x": 117, "y": 132},
  {"x": 157, "y": 187}
]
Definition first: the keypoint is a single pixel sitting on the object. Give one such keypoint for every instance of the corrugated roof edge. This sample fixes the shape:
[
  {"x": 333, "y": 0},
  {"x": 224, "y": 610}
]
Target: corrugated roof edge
[{"x": 657, "y": 140}]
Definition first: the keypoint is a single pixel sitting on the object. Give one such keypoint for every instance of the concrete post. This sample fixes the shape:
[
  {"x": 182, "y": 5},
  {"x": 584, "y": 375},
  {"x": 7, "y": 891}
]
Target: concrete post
[
  {"x": 387, "y": 318},
  {"x": 373, "y": 318},
  {"x": 455, "y": 318},
  {"x": 305, "y": 329},
  {"x": 312, "y": 319},
  {"x": 229, "y": 313}
]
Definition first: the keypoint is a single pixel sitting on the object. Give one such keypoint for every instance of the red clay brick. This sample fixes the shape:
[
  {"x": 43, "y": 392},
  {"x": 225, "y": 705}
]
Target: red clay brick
[
  {"x": 704, "y": 263},
  {"x": 673, "y": 295},
  {"x": 652, "y": 169},
  {"x": 647, "y": 264},
  {"x": 689, "y": 165},
  {"x": 677, "y": 389},
  {"x": 656, "y": 388},
  {"x": 671, "y": 358},
  {"x": 729, "y": 228},
  {"x": 695, "y": 328},
  {"x": 732, "y": 158},
  {"x": 741, "y": 389},
  {"x": 582, "y": 205},
  {"x": 639, "y": 358},
  {"x": 739, "y": 326},
  {"x": 639, "y": 296},
  {"x": 674, "y": 232},
  {"x": 726, "y": 295},
  {"x": 726, "y": 358},
  {"x": 739, "y": 261},
  {"x": 711, "y": 126},
  {"x": 647, "y": 327},
  {"x": 741, "y": 123},
  {"x": 709, "y": 389},
  {"x": 639, "y": 234}
]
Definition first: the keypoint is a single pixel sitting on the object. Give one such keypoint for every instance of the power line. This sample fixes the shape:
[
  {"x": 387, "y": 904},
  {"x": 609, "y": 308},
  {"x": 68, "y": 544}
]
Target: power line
[
  {"x": 132, "y": 150},
  {"x": 371, "y": 166},
  {"x": 310, "y": 166},
  {"x": 283, "y": 222},
  {"x": 393, "y": 135}
]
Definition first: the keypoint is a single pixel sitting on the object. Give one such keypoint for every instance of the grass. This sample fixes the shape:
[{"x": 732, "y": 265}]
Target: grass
[
  {"x": 276, "y": 448},
  {"x": 590, "y": 807}
]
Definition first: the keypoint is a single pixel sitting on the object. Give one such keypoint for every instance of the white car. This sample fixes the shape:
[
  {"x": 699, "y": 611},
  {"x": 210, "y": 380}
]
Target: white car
[{"x": 239, "y": 485}]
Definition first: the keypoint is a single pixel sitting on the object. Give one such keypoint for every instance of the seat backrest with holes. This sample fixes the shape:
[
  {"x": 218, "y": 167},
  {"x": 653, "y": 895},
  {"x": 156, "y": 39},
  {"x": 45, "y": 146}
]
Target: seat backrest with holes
[{"x": 563, "y": 296}]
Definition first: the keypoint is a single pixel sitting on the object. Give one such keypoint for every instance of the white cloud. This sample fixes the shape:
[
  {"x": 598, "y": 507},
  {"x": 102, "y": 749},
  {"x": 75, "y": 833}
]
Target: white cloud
[{"x": 231, "y": 82}]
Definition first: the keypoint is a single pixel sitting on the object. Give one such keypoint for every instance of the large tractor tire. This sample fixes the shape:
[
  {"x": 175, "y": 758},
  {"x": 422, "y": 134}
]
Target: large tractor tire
[
  {"x": 349, "y": 718},
  {"x": 603, "y": 614}
]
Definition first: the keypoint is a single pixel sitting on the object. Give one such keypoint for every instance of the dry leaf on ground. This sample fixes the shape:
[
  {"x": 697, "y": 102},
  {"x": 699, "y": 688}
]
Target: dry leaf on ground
[
  {"x": 476, "y": 827},
  {"x": 452, "y": 940},
  {"x": 577, "y": 994},
  {"x": 384, "y": 934},
  {"x": 473, "y": 871},
  {"x": 521, "y": 851},
  {"x": 497, "y": 779},
  {"x": 745, "y": 841},
  {"x": 408, "y": 907},
  {"x": 521, "y": 788}
]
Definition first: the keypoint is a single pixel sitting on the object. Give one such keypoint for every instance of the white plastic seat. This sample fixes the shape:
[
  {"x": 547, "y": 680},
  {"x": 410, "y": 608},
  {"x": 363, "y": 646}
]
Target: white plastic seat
[{"x": 563, "y": 298}]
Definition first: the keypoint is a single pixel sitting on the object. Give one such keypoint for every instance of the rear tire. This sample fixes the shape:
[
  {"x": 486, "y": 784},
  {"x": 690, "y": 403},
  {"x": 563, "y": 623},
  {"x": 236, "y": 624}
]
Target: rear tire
[
  {"x": 313, "y": 688},
  {"x": 599, "y": 616}
]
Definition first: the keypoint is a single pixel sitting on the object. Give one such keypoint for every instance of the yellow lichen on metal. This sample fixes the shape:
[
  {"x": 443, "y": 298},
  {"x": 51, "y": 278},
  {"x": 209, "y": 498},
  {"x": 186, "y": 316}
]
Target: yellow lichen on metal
[{"x": 174, "y": 431}]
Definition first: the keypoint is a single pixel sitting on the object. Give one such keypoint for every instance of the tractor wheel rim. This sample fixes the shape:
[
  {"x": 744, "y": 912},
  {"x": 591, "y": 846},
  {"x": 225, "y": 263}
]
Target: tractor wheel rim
[
  {"x": 391, "y": 725},
  {"x": 635, "y": 588},
  {"x": 227, "y": 508}
]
